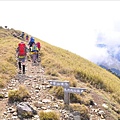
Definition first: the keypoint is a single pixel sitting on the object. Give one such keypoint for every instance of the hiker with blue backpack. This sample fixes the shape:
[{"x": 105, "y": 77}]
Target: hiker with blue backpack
[
  {"x": 21, "y": 53},
  {"x": 32, "y": 40}
]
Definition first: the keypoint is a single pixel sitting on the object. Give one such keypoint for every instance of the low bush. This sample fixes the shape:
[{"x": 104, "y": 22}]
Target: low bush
[
  {"x": 49, "y": 115},
  {"x": 18, "y": 94}
]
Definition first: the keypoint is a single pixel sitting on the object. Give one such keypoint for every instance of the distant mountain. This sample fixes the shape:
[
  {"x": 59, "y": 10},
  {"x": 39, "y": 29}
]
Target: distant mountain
[{"x": 112, "y": 62}]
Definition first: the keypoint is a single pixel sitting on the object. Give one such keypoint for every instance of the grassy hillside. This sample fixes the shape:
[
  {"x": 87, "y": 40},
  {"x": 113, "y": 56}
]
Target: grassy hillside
[
  {"x": 59, "y": 64},
  {"x": 8, "y": 45},
  {"x": 68, "y": 66}
]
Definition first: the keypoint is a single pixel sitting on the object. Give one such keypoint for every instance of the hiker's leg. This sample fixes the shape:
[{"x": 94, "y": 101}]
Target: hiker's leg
[
  {"x": 23, "y": 64},
  {"x": 23, "y": 69},
  {"x": 38, "y": 57},
  {"x": 34, "y": 57},
  {"x": 19, "y": 65}
]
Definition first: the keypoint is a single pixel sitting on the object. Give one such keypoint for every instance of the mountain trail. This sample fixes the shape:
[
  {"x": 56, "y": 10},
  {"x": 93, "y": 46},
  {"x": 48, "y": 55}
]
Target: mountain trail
[{"x": 40, "y": 99}]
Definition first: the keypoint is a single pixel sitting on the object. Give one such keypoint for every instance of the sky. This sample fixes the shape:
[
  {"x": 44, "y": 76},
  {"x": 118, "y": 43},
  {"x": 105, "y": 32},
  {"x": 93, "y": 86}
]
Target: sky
[{"x": 76, "y": 26}]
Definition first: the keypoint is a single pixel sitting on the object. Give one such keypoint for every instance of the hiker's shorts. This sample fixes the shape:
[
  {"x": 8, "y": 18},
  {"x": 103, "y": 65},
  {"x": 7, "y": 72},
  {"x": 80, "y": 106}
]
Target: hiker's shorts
[{"x": 21, "y": 58}]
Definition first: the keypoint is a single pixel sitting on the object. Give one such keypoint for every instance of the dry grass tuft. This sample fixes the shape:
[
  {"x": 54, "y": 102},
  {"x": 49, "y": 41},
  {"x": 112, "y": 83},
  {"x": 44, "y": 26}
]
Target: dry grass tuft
[
  {"x": 49, "y": 115},
  {"x": 19, "y": 94}
]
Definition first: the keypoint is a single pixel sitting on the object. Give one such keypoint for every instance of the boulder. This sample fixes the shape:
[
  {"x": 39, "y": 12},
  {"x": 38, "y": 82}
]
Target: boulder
[{"x": 24, "y": 110}]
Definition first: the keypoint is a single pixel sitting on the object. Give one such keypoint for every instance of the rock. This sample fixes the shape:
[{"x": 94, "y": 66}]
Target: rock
[
  {"x": 55, "y": 106},
  {"x": 15, "y": 114},
  {"x": 5, "y": 113},
  {"x": 43, "y": 108},
  {"x": 77, "y": 117},
  {"x": 14, "y": 117},
  {"x": 92, "y": 102},
  {"x": 105, "y": 106},
  {"x": 101, "y": 113},
  {"x": 2, "y": 95},
  {"x": 46, "y": 101},
  {"x": 25, "y": 110},
  {"x": 76, "y": 113},
  {"x": 38, "y": 104},
  {"x": 37, "y": 91}
]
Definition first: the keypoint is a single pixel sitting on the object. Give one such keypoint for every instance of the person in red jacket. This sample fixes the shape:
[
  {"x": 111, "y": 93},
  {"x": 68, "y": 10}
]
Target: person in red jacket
[
  {"x": 21, "y": 53},
  {"x": 39, "y": 46}
]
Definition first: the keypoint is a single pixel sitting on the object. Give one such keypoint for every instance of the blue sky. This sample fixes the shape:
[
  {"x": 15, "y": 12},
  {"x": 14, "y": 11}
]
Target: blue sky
[{"x": 73, "y": 25}]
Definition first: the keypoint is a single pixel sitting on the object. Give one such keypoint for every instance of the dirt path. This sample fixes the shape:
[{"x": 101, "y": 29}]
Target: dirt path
[{"x": 33, "y": 80}]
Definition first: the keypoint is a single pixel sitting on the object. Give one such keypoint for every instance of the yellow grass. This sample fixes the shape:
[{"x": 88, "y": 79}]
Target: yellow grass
[{"x": 8, "y": 45}]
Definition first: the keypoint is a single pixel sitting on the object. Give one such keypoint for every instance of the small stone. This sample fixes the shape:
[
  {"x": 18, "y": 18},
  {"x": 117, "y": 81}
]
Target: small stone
[
  {"x": 105, "y": 106},
  {"x": 37, "y": 91},
  {"x": 15, "y": 114},
  {"x": 5, "y": 113},
  {"x": 14, "y": 117},
  {"x": 46, "y": 101},
  {"x": 36, "y": 116},
  {"x": 56, "y": 106},
  {"x": 44, "y": 108}
]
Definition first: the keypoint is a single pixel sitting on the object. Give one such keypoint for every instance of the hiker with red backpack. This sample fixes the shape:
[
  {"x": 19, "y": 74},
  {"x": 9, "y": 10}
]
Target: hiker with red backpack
[
  {"x": 39, "y": 46},
  {"x": 21, "y": 54}
]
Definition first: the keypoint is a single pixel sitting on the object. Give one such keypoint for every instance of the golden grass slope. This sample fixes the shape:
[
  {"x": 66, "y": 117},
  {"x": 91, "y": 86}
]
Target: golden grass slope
[
  {"x": 64, "y": 64},
  {"x": 8, "y": 45}
]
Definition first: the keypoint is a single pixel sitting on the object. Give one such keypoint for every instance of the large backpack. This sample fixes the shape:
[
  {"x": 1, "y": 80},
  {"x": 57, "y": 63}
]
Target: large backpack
[
  {"x": 21, "y": 49},
  {"x": 34, "y": 48},
  {"x": 38, "y": 45},
  {"x": 32, "y": 40}
]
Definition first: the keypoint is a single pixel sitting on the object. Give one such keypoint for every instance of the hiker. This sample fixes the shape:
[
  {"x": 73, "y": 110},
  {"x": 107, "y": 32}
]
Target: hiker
[
  {"x": 22, "y": 35},
  {"x": 34, "y": 52},
  {"x": 32, "y": 40},
  {"x": 21, "y": 54},
  {"x": 39, "y": 46},
  {"x": 27, "y": 38}
]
